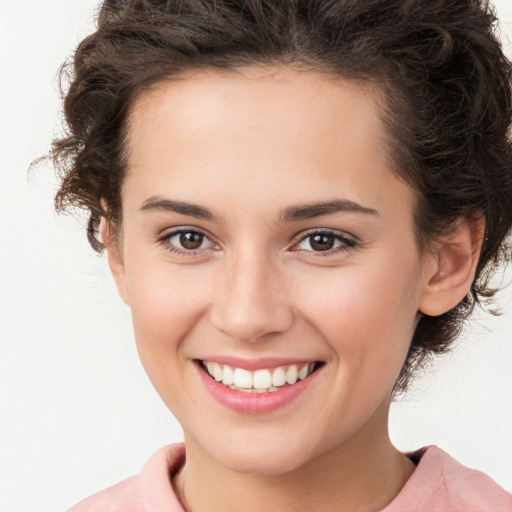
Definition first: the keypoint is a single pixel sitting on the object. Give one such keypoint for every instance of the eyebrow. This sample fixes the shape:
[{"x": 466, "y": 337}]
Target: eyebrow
[
  {"x": 289, "y": 214},
  {"x": 309, "y": 211},
  {"x": 156, "y": 203}
]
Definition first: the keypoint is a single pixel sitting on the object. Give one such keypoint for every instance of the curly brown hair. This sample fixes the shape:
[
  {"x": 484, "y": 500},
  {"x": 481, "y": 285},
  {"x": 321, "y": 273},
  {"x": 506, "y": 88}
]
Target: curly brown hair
[{"x": 445, "y": 84}]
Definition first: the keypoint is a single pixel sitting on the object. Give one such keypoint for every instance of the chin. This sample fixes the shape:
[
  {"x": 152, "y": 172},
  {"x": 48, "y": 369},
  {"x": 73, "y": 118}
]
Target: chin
[
  {"x": 261, "y": 464},
  {"x": 263, "y": 457}
]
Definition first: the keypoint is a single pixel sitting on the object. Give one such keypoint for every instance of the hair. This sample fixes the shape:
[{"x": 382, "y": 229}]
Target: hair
[{"x": 437, "y": 64}]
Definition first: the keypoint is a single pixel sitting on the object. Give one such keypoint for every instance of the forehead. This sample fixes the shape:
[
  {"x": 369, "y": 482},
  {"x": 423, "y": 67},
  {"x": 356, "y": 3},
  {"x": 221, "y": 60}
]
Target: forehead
[
  {"x": 275, "y": 105},
  {"x": 297, "y": 131}
]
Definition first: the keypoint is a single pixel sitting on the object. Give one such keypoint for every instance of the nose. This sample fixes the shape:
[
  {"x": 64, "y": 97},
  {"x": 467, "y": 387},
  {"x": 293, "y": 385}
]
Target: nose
[{"x": 250, "y": 300}]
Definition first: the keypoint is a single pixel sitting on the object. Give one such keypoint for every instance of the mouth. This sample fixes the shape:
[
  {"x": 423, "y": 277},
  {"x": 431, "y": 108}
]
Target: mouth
[{"x": 263, "y": 380}]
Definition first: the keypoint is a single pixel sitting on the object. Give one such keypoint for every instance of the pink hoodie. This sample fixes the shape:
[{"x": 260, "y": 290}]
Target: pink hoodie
[{"x": 439, "y": 483}]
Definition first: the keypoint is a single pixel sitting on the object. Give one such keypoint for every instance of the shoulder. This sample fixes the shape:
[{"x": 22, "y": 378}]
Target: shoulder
[
  {"x": 123, "y": 496},
  {"x": 151, "y": 489},
  {"x": 443, "y": 484}
]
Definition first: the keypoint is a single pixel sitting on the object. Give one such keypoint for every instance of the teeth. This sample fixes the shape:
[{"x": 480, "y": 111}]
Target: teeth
[
  {"x": 254, "y": 390},
  {"x": 259, "y": 381},
  {"x": 278, "y": 377},
  {"x": 262, "y": 379},
  {"x": 303, "y": 372},
  {"x": 227, "y": 378},
  {"x": 217, "y": 372},
  {"x": 242, "y": 378},
  {"x": 292, "y": 374}
]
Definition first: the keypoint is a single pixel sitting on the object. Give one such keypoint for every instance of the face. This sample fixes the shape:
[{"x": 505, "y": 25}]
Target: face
[{"x": 265, "y": 233}]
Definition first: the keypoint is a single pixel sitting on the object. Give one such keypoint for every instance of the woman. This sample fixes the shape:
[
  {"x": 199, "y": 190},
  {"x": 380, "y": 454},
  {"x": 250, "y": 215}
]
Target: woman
[{"x": 300, "y": 202}]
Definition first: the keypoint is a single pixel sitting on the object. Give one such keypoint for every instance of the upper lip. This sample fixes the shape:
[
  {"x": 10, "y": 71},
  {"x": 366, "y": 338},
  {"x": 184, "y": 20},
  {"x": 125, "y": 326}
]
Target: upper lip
[{"x": 256, "y": 363}]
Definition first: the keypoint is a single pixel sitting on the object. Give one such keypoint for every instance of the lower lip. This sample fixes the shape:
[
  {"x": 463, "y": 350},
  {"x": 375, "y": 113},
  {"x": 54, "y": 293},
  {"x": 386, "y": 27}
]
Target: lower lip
[{"x": 254, "y": 403}]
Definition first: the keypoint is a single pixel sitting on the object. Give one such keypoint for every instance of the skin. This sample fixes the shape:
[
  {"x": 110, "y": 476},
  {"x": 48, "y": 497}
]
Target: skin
[{"x": 246, "y": 146}]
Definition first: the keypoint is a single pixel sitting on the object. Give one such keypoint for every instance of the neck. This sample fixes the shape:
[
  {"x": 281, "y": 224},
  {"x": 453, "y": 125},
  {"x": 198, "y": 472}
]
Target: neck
[{"x": 357, "y": 477}]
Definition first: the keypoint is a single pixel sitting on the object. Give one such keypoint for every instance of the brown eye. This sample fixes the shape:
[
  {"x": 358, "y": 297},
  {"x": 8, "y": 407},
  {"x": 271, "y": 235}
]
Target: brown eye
[
  {"x": 186, "y": 242},
  {"x": 191, "y": 240},
  {"x": 322, "y": 242},
  {"x": 325, "y": 242}
]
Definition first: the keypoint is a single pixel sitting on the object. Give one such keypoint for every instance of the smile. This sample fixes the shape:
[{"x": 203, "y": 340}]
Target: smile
[{"x": 264, "y": 380}]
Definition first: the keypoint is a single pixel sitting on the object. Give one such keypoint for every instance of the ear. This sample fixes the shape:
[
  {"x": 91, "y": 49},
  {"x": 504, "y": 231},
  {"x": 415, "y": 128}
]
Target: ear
[
  {"x": 115, "y": 259},
  {"x": 451, "y": 267}
]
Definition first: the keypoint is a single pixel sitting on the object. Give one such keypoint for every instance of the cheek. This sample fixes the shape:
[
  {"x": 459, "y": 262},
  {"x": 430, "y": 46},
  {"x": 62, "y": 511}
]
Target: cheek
[
  {"x": 167, "y": 302},
  {"x": 366, "y": 313},
  {"x": 166, "y": 307}
]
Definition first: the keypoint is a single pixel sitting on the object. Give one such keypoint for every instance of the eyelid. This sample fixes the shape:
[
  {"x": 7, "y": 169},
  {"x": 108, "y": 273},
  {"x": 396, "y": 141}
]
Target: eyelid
[
  {"x": 164, "y": 239},
  {"x": 348, "y": 241},
  {"x": 168, "y": 231},
  {"x": 336, "y": 232}
]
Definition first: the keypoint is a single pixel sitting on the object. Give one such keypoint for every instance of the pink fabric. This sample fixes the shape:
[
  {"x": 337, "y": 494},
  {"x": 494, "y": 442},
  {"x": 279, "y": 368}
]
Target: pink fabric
[
  {"x": 442, "y": 484},
  {"x": 439, "y": 484},
  {"x": 149, "y": 491}
]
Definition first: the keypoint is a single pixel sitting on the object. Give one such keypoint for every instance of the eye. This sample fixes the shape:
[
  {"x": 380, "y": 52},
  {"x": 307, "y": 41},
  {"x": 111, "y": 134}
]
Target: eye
[
  {"x": 328, "y": 242},
  {"x": 187, "y": 242}
]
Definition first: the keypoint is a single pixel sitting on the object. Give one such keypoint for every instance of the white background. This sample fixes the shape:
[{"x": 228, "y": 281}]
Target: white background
[{"x": 77, "y": 412}]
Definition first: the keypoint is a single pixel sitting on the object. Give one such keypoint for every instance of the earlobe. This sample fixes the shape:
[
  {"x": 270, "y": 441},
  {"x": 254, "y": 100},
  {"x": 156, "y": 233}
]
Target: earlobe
[
  {"x": 451, "y": 268},
  {"x": 115, "y": 259}
]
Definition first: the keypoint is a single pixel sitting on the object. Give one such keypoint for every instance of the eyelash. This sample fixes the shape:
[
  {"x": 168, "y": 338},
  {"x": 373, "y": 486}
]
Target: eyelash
[
  {"x": 347, "y": 243},
  {"x": 166, "y": 241}
]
